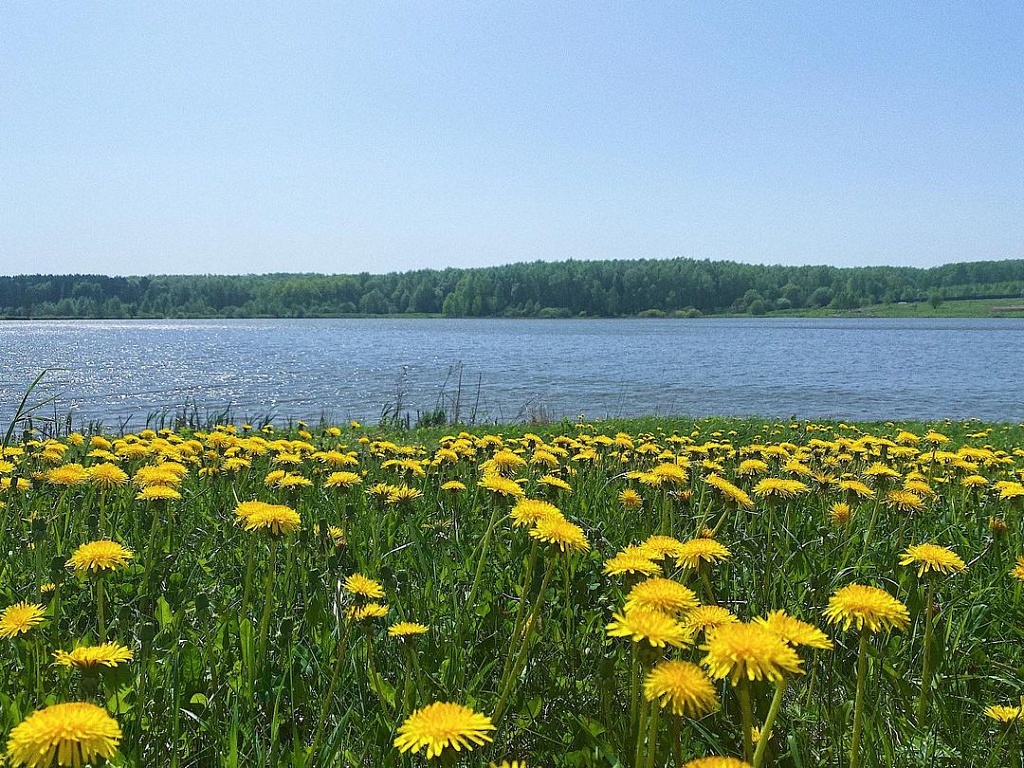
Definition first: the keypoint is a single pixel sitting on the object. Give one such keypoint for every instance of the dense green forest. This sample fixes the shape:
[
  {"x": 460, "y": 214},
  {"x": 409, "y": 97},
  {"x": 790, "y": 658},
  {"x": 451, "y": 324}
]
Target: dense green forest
[{"x": 679, "y": 287}]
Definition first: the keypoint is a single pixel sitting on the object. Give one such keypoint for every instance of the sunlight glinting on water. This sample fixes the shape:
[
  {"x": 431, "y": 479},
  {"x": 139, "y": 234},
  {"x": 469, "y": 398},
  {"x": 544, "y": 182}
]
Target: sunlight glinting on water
[{"x": 515, "y": 370}]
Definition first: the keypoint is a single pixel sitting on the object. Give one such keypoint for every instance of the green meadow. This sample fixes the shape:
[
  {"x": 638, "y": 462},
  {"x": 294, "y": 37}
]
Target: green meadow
[{"x": 599, "y": 594}]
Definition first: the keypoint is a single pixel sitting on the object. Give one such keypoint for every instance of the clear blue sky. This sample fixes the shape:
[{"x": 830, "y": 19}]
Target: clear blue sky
[{"x": 226, "y": 137}]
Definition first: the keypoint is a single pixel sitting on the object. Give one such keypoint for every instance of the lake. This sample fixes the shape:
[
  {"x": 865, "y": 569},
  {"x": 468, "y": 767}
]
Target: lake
[{"x": 121, "y": 372}]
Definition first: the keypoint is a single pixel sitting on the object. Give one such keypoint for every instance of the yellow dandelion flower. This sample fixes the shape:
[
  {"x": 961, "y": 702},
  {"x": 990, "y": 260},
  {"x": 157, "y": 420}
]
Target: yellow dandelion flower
[
  {"x": 358, "y": 584},
  {"x": 1004, "y": 714},
  {"x": 158, "y": 493},
  {"x": 671, "y": 473},
  {"x": 881, "y": 473},
  {"x": 367, "y": 612},
  {"x": 527, "y": 512},
  {"x": 932, "y": 557},
  {"x": 752, "y": 467},
  {"x": 1009, "y": 490},
  {"x": 405, "y": 466},
  {"x": 507, "y": 764},
  {"x": 68, "y": 475},
  {"x": 904, "y": 501},
  {"x": 337, "y": 535},
  {"x": 974, "y": 481},
  {"x": 292, "y": 480},
  {"x": 453, "y": 486},
  {"x": 663, "y": 595},
  {"x": 729, "y": 492},
  {"x": 98, "y": 441},
  {"x": 272, "y": 478},
  {"x": 506, "y": 462},
  {"x": 74, "y": 733},
  {"x": 860, "y": 606},
  {"x": 569, "y": 537},
  {"x": 777, "y": 488},
  {"x": 342, "y": 480},
  {"x": 682, "y": 687},
  {"x": 501, "y": 486},
  {"x": 275, "y": 519},
  {"x": 649, "y": 625},
  {"x": 1018, "y": 570},
  {"x": 107, "y": 476},
  {"x": 797, "y": 467},
  {"x": 405, "y": 495},
  {"x": 794, "y": 631},
  {"x": 441, "y": 725},
  {"x": 551, "y": 481},
  {"x": 245, "y": 508},
  {"x": 907, "y": 438},
  {"x": 85, "y": 656},
  {"x": 630, "y": 499},
  {"x": 997, "y": 526},
  {"x": 691, "y": 553},
  {"x": 660, "y": 547},
  {"x": 856, "y": 489},
  {"x": 706, "y": 618},
  {"x": 750, "y": 651},
  {"x": 717, "y": 762},
  {"x": 634, "y": 560},
  {"x": 102, "y": 555},
  {"x": 158, "y": 474},
  {"x": 840, "y": 513},
  {"x": 648, "y": 479},
  {"x": 407, "y": 629},
  {"x": 20, "y": 618},
  {"x": 19, "y": 484}
]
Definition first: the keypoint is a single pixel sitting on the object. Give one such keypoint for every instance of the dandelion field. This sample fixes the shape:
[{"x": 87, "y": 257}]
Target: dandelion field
[{"x": 641, "y": 593}]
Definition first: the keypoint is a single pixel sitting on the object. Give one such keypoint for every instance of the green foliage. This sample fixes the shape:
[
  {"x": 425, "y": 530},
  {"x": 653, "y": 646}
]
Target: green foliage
[
  {"x": 538, "y": 289},
  {"x": 214, "y": 681}
]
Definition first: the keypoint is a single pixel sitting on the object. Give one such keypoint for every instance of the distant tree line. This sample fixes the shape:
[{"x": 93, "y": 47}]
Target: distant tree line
[{"x": 539, "y": 289}]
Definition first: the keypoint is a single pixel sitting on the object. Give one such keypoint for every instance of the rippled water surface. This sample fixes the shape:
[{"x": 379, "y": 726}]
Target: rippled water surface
[{"x": 118, "y": 371}]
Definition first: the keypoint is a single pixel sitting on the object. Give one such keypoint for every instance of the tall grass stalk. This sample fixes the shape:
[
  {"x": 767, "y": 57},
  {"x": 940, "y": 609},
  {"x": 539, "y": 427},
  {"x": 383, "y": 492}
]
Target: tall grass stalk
[{"x": 520, "y": 661}]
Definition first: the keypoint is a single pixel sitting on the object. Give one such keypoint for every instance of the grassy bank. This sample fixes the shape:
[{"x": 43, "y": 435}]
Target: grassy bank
[
  {"x": 514, "y": 572},
  {"x": 991, "y": 308}
]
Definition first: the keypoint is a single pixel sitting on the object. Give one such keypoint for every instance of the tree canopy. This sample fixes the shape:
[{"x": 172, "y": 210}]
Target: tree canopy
[{"x": 618, "y": 288}]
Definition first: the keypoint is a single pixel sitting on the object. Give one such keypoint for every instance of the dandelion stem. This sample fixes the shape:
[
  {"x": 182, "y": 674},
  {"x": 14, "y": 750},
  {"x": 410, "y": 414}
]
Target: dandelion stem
[
  {"x": 527, "y": 578},
  {"x": 268, "y": 589},
  {"x": 871, "y": 525},
  {"x": 471, "y": 602},
  {"x": 766, "y": 731},
  {"x": 705, "y": 578},
  {"x": 926, "y": 670},
  {"x": 677, "y": 741},
  {"x": 247, "y": 580},
  {"x": 641, "y": 733},
  {"x": 858, "y": 705},
  {"x": 371, "y": 666},
  {"x": 100, "y": 600},
  {"x": 531, "y": 622},
  {"x": 652, "y": 734},
  {"x": 634, "y": 684},
  {"x": 746, "y": 718}
]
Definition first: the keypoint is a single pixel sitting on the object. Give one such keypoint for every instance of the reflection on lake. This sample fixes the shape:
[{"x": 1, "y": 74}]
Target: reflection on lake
[{"x": 876, "y": 369}]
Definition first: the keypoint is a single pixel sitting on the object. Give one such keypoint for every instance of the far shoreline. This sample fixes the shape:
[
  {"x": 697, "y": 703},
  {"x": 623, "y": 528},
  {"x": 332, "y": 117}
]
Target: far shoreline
[{"x": 966, "y": 308}]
